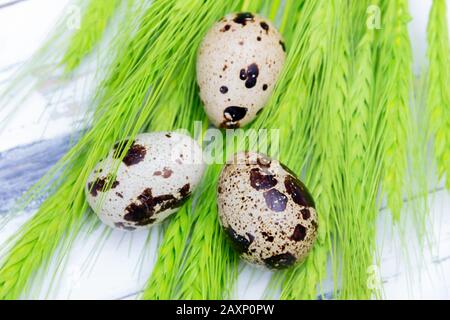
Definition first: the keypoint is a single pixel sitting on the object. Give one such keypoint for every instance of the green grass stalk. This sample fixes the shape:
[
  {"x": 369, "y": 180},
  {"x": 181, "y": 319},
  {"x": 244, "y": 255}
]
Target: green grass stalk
[{"x": 396, "y": 100}]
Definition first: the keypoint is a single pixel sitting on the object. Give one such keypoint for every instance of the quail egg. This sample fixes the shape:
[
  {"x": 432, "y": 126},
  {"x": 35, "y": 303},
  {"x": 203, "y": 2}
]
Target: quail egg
[
  {"x": 238, "y": 64},
  {"x": 266, "y": 211},
  {"x": 154, "y": 178}
]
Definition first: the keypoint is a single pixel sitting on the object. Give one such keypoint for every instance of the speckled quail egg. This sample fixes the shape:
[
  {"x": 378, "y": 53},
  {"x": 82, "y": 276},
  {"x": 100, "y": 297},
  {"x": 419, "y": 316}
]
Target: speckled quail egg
[
  {"x": 156, "y": 176},
  {"x": 266, "y": 211},
  {"x": 238, "y": 64}
]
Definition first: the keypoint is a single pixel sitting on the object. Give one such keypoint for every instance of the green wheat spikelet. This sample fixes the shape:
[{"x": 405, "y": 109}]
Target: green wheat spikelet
[
  {"x": 324, "y": 163},
  {"x": 162, "y": 283},
  {"x": 210, "y": 267},
  {"x": 397, "y": 101},
  {"x": 357, "y": 219},
  {"x": 301, "y": 283},
  {"x": 324, "y": 174},
  {"x": 438, "y": 98}
]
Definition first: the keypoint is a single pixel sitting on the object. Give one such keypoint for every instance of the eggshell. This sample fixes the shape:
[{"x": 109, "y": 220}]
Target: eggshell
[
  {"x": 238, "y": 64},
  {"x": 156, "y": 176},
  {"x": 267, "y": 213}
]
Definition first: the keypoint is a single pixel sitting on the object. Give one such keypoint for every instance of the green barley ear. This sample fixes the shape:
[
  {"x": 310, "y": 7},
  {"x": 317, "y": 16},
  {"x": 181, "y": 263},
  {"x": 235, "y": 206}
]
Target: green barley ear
[
  {"x": 355, "y": 224},
  {"x": 345, "y": 191},
  {"x": 396, "y": 100},
  {"x": 162, "y": 283},
  {"x": 438, "y": 97},
  {"x": 209, "y": 269},
  {"x": 35, "y": 242},
  {"x": 309, "y": 81},
  {"x": 362, "y": 170},
  {"x": 327, "y": 160},
  {"x": 94, "y": 22}
]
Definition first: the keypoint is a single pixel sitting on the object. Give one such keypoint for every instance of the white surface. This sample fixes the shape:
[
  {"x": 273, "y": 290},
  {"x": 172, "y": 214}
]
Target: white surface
[
  {"x": 24, "y": 26},
  {"x": 22, "y": 29}
]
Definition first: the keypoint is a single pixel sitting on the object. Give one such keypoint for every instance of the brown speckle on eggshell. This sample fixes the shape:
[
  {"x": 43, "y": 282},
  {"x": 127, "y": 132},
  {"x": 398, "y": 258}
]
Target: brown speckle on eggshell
[
  {"x": 268, "y": 221},
  {"x": 245, "y": 54}
]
